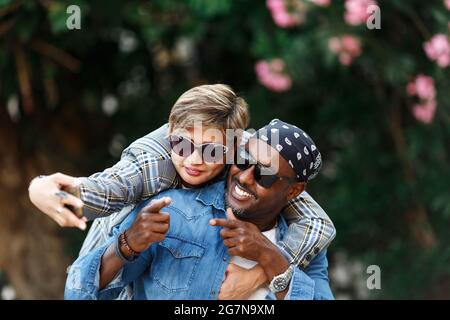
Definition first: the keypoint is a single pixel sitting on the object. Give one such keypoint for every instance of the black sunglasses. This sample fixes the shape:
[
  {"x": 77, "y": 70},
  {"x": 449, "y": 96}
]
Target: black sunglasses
[
  {"x": 209, "y": 152},
  {"x": 263, "y": 175}
]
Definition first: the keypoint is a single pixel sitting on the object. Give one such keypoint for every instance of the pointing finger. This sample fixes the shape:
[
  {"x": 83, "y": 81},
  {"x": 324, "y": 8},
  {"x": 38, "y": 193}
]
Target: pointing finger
[
  {"x": 157, "y": 205},
  {"x": 224, "y": 223}
]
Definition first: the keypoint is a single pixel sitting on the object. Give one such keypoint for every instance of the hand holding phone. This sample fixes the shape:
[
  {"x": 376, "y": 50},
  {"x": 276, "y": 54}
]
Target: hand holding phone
[{"x": 75, "y": 191}]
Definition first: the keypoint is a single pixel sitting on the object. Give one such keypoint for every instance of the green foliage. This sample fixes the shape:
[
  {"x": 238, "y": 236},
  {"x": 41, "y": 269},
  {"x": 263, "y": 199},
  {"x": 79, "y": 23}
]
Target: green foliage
[
  {"x": 210, "y": 9},
  {"x": 57, "y": 17},
  {"x": 5, "y": 2}
]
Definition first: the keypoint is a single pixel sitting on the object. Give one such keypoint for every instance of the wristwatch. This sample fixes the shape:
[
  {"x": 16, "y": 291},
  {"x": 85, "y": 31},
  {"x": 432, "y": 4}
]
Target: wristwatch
[{"x": 280, "y": 282}]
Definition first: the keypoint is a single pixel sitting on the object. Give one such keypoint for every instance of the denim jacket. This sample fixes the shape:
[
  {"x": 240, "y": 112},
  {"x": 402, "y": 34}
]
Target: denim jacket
[{"x": 190, "y": 262}]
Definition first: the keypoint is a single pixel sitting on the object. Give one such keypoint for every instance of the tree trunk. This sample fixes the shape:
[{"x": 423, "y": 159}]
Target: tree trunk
[
  {"x": 416, "y": 216},
  {"x": 32, "y": 253}
]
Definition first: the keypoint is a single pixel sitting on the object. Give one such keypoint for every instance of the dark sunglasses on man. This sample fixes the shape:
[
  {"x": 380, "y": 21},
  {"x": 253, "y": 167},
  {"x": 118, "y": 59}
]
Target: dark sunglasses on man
[
  {"x": 209, "y": 152},
  {"x": 263, "y": 175}
]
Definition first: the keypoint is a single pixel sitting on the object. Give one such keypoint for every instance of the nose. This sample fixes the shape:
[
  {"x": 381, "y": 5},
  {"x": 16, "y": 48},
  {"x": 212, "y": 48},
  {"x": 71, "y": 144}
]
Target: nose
[
  {"x": 194, "y": 158},
  {"x": 247, "y": 176}
]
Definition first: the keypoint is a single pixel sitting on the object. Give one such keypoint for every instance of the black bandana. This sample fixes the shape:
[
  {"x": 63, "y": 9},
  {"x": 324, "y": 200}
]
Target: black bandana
[{"x": 295, "y": 146}]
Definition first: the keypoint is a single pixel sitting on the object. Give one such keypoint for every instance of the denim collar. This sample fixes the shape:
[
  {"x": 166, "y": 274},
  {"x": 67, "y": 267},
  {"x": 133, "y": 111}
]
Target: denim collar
[
  {"x": 213, "y": 195},
  {"x": 281, "y": 227}
]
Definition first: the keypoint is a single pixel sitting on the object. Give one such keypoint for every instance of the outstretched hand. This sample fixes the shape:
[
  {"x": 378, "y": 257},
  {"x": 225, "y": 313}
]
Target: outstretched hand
[{"x": 48, "y": 195}]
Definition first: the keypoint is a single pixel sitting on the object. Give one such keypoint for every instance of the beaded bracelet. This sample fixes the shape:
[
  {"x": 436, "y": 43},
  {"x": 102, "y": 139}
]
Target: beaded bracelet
[
  {"x": 118, "y": 252},
  {"x": 122, "y": 241}
]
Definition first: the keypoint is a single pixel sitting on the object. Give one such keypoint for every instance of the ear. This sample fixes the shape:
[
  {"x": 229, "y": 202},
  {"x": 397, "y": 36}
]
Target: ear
[{"x": 295, "y": 189}]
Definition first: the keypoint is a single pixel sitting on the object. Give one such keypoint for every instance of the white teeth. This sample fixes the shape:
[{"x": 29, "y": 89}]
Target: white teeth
[{"x": 241, "y": 192}]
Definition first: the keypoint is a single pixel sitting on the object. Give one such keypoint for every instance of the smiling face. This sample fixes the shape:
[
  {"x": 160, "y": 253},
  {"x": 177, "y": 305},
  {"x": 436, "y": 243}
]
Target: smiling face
[
  {"x": 252, "y": 202},
  {"x": 193, "y": 170}
]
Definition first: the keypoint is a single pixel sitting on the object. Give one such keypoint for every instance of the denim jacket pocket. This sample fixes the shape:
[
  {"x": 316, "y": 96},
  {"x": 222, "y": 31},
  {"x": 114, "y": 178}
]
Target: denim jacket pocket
[{"x": 176, "y": 263}]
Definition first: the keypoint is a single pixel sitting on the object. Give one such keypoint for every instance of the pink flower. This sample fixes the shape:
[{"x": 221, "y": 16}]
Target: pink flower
[
  {"x": 425, "y": 112},
  {"x": 438, "y": 49},
  {"x": 351, "y": 45},
  {"x": 271, "y": 75},
  {"x": 283, "y": 19},
  {"x": 356, "y": 11},
  {"x": 447, "y": 4},
  {"x": 345, "y": 59},
  {"x": 321, "y": 3},
  {"x": 347, "y": 48},
  {"x": 423, "y": 88},
  {"x": 334, "y": 44},
  {"x": 275, "y": 5},
  {"x": 286, "y": 13}
]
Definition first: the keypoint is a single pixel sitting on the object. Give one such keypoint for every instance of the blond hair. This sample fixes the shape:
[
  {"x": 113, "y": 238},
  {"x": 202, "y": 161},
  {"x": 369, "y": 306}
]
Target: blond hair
[{"x": 216, "y": 106}]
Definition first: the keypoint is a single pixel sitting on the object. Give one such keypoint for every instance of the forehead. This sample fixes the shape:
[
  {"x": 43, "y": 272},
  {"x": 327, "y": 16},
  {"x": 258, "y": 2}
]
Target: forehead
[
  {"x": 201, "y": 134},
  {"x": 268, "y": 156}
]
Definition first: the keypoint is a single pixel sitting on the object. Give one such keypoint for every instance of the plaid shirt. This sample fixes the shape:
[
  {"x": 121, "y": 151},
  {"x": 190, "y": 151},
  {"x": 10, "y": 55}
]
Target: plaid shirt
[{"x": 145, "y": 169}]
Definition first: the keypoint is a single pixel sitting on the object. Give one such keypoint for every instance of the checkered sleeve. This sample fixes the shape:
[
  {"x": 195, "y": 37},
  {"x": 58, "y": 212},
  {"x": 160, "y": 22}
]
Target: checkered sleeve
[
  {"x": 310, "y": 230},
  {"x": 144, "y": 169}
]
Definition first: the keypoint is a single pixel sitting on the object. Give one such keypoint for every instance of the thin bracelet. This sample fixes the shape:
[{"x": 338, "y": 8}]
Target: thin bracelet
[{"x": 118, "y": 252}]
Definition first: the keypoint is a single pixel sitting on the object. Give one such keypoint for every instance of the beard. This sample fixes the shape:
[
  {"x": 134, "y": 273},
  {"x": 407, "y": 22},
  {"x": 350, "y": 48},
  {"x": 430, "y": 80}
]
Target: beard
[{"x": 239, "y": 213}]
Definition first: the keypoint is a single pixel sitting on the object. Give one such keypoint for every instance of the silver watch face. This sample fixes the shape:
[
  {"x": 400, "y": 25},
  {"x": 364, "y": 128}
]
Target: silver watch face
[{"x": 280, "y": 284}]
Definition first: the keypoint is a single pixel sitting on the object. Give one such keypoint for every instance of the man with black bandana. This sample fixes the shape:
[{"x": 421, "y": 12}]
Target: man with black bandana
[
  {"x": 293, "y": 145},
  {"x": 188, "y": 260}
]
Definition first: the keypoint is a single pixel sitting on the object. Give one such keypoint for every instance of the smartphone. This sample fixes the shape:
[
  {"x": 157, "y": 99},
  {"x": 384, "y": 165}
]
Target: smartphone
[{"x": 75, "y": 191}]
